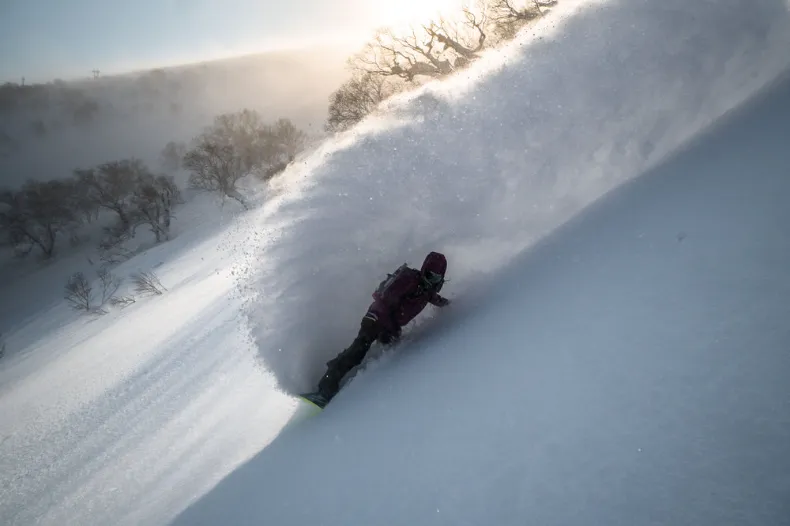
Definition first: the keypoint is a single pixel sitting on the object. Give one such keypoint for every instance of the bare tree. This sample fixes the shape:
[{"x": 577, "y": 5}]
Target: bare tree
[
  {"x": 8, "y": 213},
  {"x": 433, "y": 50},
  {"x": 80, "y": 200},
  {"x": 245, "y": 131},
  {"x": 79, "y": 292},
  {"x": 36, "y": 214},
  {"x": 286, "y": 141},
  {"x": 509, "y": 16},
  {"x": 48, "y": 212},
  {"x": 259, "y": 145},
  {"x": 147, "y": 283},
  {"x": 110, "y": 283},
  {"x": 215, "y": 167},
  {"x": 80, "y": 295},
  {"x": 466, "y": 38},
  {"x": 358, "y": 97},
  {"x": 112, "y": 243},
  {"x": 520, "y": 9},
  {"x": 237, "y": 144},
  {"x": 111, "y": 186},
  {"x": 408, "y": 57},
  {"x": 122, "y": 301},
  {"x": 153, "y": 200}
]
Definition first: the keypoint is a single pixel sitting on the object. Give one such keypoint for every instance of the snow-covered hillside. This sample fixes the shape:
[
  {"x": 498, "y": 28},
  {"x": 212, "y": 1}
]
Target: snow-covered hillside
[
  {"x": 630, "y": 369},
  {"x": 45, "y": 136},
  {"x": 126, "y": 417},
  {"x": 623, "y": 363}
]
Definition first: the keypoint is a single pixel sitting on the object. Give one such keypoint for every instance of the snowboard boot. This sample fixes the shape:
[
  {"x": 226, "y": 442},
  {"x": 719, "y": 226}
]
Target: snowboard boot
[
  {"x": 329, "y": 384},
  {"x": 344, "y": 362}
]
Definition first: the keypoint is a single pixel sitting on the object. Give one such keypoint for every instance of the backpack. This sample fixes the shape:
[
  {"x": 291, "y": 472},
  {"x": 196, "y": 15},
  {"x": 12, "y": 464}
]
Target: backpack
[{"x": 393, "y": 287}]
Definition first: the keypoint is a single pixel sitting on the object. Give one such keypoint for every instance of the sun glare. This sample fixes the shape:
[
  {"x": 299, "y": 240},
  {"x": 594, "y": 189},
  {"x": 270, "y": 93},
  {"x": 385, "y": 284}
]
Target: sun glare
[{"x": 402, "y": 12}]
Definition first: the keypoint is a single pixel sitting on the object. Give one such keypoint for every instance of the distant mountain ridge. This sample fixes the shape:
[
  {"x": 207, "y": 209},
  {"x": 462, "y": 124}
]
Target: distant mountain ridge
[{"x": 48, "y": 130}]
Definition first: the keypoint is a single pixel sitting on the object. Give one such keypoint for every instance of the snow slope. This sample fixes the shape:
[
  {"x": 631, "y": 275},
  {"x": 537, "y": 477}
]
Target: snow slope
[
  {"x": 630, "y": 368},
  {"x": 127, "y": 417},
  {"x": 588, "y": 373}
]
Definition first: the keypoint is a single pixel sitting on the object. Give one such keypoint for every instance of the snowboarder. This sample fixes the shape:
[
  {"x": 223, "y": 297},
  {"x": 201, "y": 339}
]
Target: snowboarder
[{"x": 398, "y": 299}]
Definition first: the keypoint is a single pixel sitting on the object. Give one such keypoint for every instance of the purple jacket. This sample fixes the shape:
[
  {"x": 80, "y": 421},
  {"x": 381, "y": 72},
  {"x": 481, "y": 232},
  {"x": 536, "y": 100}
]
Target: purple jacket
[{"x": 409, "y": 296}]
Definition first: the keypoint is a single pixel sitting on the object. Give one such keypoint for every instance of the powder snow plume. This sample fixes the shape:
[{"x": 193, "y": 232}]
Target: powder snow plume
[{"x": 483, "y": 164}]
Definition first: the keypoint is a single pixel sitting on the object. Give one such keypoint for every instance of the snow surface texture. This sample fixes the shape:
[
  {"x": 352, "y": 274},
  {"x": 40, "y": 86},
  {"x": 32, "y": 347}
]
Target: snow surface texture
[
  {"x": 483, "y": 165},
  {"x": 631, "y": 368},
  {"x": 628, "y": 368},
  {"x": 126, "y": 418}
]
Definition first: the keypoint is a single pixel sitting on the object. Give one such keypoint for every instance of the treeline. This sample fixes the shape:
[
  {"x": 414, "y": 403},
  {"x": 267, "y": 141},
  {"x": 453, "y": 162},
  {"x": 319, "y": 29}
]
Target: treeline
[
  {"x": 36, "y": 215},
  {"x": 235, "y": 145},
  {"x": 75, "y": 105},
  {"x": 395, "y": 61}
]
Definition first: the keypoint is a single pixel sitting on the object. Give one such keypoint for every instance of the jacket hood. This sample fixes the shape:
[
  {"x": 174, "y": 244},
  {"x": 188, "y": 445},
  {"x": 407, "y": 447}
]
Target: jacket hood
[{"x": 434, "y": 262}]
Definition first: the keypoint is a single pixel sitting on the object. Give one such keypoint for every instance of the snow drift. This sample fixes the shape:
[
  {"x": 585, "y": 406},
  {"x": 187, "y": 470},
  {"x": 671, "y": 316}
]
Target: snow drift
[{"x": 481, "y": 166}]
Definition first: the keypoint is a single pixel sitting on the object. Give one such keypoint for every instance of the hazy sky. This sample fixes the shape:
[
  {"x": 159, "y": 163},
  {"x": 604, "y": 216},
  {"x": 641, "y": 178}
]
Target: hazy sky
[{"x": 45, "y": 39}]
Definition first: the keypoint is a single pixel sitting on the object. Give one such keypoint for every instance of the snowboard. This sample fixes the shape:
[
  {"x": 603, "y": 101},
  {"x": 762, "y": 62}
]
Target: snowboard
[{"x": 315, "y": 399}]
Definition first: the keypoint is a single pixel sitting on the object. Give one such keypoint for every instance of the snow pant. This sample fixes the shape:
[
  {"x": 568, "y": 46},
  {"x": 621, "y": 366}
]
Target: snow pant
[{"x": 369, "y": 331}]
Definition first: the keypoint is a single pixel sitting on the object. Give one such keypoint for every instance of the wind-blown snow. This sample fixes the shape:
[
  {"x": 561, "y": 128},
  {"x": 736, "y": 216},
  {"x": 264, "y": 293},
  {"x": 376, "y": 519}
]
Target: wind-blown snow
[
  {"x": 481, "y": 166},
  {"x": 631, "y": 368},
  {"x": 625, "y": 365}
]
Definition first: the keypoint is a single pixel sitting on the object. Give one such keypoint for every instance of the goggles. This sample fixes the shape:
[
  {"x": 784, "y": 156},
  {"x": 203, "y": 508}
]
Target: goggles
[{"x": 433, "y": 278}]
